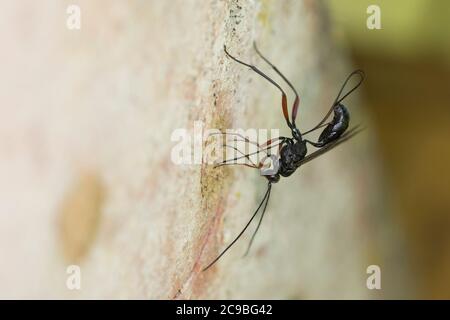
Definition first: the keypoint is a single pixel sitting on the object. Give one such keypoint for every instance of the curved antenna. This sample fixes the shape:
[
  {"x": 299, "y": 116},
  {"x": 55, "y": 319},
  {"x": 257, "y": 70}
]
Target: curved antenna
[
  {"x": 269, "y": 186},
  {"x": 297, "y": 99},
  {"x": 338, "y": 97},
  {"x": 262, "y": 74},
  {"x": 257, "y": 227}
]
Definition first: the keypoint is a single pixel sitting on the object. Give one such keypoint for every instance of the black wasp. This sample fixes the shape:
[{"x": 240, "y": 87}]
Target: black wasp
[{"x": 292, "y": 152}]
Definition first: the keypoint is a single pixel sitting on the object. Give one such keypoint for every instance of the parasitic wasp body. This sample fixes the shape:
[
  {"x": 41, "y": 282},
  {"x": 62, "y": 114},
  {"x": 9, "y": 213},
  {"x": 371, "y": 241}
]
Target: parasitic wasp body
[{"x": 292, "y": 151}]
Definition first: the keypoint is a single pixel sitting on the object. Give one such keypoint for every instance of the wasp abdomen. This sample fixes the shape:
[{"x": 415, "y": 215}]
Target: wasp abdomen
[{"x": 337, "y": 126}]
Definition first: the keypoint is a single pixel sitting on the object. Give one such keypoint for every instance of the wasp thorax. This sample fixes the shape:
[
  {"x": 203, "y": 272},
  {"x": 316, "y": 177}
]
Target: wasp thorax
[
  {"x": 299, "y": 150},
  {"x": 291, "y": 155}
]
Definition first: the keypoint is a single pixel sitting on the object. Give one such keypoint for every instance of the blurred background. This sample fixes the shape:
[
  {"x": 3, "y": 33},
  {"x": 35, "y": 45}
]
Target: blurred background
[{"x": 407, "y": 94}]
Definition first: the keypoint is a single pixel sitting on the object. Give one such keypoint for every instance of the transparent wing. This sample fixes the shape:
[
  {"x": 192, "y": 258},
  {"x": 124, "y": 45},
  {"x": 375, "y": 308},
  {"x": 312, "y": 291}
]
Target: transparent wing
[{"x": 345, "y": 137}]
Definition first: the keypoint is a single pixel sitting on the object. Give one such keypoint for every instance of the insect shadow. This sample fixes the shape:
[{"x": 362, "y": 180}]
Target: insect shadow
[{"x": 292, "y": 151}]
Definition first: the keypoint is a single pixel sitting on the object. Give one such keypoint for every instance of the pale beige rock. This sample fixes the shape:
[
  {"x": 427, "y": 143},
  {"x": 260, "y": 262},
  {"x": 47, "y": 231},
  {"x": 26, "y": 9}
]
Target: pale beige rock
[{"x": 86, "y": 173}]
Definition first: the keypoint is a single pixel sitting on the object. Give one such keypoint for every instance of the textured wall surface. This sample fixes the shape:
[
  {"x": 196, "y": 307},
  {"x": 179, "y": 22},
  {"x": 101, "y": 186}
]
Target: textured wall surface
[{"x": 86, "y": 176}]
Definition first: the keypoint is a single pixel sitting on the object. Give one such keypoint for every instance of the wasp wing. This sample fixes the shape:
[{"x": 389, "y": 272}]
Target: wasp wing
[{"x": 345, "y": 137}]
